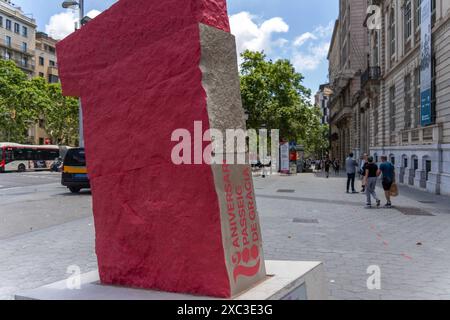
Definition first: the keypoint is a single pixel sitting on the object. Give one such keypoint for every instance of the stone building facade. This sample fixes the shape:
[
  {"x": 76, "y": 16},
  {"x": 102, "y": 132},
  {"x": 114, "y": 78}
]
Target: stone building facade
[
  {"x": 420, "y": 152},
  {"x": 322, "y": 99},
  {"x": 17, "y": 37},
  {"x": 33, "y": 52},
  {"x": 46, "y": 62},
  {"x": 347, "y": 60},
  {"x": 384, "y": 109}
]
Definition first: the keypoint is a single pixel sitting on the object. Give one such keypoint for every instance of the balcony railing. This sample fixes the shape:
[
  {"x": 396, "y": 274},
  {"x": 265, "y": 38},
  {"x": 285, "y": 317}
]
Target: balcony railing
[
  {"x": 17, "y": 48},
  {"x": 53, "y": 70},
  {"x": 426, "y": 135},
  {"x": 371, "y": 74}
]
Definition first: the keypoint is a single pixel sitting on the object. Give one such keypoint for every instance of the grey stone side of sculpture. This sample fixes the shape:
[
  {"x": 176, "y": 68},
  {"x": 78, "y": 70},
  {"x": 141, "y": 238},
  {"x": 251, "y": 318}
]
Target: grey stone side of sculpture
[
  {"x": 221, "y": 79},
  {"x": 222, "y": 86}
]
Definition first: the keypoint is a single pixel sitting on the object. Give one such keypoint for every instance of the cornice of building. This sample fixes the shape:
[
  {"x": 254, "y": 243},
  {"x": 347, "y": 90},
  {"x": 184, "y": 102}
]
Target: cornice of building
[{"x": 11, "y": 11}]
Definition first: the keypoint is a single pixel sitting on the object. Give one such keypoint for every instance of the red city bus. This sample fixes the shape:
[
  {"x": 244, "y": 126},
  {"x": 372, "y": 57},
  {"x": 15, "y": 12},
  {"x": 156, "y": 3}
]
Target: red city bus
[{"x": 17, "y": 157}]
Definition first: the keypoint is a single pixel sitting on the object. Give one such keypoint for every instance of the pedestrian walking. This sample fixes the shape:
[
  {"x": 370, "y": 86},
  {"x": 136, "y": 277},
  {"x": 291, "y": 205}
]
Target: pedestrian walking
[
  {"x": 387, "y": 169},
  {"x": 336, "y": 166},
  {"x": 370, "y": 183},
  {"x": 327, "y": 166},
  {"x": 350, "y": 168},
  {"x": 362, "y": 171}
]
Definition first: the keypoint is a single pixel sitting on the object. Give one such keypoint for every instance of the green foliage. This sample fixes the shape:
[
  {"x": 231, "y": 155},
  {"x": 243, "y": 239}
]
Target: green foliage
[
  {"x": 273, "y": 95},
  {"x": 24, "y": 101}
]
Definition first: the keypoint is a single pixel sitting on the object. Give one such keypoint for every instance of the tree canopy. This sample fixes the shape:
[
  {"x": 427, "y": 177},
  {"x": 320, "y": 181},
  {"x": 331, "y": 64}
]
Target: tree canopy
[
  {"x": 24, "y": 101},
  {"x": 273, "y": 94}
]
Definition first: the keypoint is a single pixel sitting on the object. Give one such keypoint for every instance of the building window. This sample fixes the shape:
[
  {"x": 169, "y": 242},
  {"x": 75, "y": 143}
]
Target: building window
[
  {"x": 375, "y": 125},
  {"x": 41, "y": 61},
  {"x": 16, "y": 28},
  {"x": 427, "y": 168},
  {"x": 25, "y": 62},
  {"x": 392, "y": 110},
  {"x": 52, "y": 63},
  {"x": 408, "y": 20},
  {"x": 8, "y": 24},
  {"x": 417, "y": 101},
  {"x": 393, "y": 160},
  {"x": 418, "y": 18},
  {"x": 1, "y": 21},
  {"x": 405, "y": 162},
  {"x": 433, "y": 89},
  {"x": 433, "y": 12},
  {"x": 375, "y": 53},
  {"x": 408, "y": 101},
  {"x": 8, "y": 41},
  {"x": 392, "y": 32},
  {"x": 24, "y": 31},
  {"x": 41, "y": 74},
  {"x": 24, "y": 47},
  {"x": 53, "y": 79}
]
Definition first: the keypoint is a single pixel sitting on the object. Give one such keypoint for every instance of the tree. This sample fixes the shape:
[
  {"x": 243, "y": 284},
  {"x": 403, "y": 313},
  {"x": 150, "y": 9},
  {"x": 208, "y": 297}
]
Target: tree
[
  {"x": 61, "y": 116},
  {"x": 16, "y": 114},
  {"x": 273, "y": 95},
  {"x": 24, "y": 101}
]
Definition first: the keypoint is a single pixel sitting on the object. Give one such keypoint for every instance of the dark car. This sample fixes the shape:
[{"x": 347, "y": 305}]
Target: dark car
[{"x": 74, "y": 174}]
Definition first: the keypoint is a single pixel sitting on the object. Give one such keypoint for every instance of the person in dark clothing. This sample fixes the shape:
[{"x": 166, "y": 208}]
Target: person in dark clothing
[
  {"x": 371, "y": 177},
  {"x": 336, "y": 166},
  {"x": 388, "y": 171},
  {"x": 327, "y": 167}
]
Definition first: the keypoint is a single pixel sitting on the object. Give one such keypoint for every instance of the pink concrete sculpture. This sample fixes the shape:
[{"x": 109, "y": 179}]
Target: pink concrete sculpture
[{"x": 143, "y": 69}]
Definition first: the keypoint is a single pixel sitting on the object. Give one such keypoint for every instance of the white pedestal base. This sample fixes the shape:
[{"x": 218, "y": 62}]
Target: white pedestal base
[{"x": 287, "y": 280}]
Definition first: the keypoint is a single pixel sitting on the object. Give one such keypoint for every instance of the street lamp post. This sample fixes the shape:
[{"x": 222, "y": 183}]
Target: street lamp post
[
  {"x": 80, "y": 5},
  {"x": 264, "y": 145}
]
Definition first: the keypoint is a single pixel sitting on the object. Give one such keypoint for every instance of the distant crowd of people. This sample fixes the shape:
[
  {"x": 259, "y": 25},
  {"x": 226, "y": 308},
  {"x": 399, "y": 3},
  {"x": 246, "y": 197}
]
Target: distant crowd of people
[
  {"x": 369, "y": 173},
  {"x": 326, "y": 165}
]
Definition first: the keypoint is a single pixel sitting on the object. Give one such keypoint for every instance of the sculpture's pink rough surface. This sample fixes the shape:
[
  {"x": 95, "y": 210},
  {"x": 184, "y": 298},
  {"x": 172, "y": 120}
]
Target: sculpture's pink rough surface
[{"x": 136, "y": 69}]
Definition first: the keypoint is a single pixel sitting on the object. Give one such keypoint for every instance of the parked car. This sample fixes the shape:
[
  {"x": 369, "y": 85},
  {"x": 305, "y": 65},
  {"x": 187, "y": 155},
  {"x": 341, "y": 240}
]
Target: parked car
[{"x": 74, "y": 173}]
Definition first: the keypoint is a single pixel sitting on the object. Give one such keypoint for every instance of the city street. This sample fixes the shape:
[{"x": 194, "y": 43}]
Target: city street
[{"x": 44, "y": 230}]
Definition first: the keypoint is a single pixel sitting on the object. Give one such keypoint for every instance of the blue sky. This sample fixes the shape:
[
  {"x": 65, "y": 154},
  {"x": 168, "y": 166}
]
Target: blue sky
[{"x": 299, "y": 30}]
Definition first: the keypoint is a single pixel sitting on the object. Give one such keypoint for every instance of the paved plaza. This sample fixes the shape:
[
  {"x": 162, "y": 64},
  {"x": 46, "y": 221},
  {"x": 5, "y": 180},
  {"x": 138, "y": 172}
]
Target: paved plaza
[{"x": 307, "y": 217}]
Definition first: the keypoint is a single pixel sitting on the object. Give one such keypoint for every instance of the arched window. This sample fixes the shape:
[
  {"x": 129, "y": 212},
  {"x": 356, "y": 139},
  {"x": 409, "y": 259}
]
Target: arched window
[
  {"x": 392, "y": 158},
  {"x": 426, "y": 166},
  {"x": 405, "y": 162}
]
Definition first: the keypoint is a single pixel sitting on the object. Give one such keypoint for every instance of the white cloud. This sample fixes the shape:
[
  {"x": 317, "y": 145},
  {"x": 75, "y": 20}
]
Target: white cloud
[
  {"x": 301, "y": 40},
  {"x": 312, "y": 58},
  {"x": 307, "y": 51},
  {"x": 251, "y": 36},
  {"x": 324, "y": 31},
  {"x": 62, "y": 24}
]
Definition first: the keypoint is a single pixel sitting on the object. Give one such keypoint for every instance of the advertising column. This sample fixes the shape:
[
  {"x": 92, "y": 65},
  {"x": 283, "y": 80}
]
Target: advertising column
[
  {"x": 284, "y": 158},
  {"x": 425, "y": 64}
]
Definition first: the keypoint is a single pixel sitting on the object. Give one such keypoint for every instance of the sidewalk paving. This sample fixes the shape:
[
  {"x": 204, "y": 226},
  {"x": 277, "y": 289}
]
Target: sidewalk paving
[
  {"x": 346, "y": 237},
  {"x": 350, "y": 238}
]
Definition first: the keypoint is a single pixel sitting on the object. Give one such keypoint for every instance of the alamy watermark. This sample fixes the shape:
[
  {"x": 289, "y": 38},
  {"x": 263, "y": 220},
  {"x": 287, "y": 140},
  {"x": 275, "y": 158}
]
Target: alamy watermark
[
  {"x": 374, "y": 280},
  {"x": 374, "y": 17},
  {"x": 74, "y": 280},
  {"x": 231, "y": 146}
]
